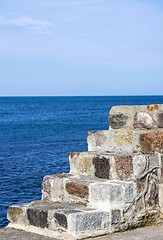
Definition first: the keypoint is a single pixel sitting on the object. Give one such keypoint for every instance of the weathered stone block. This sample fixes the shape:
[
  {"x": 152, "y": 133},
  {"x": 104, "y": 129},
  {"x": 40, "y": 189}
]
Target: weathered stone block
[
  {"x": 102, "y": 166},
  {"x": 81, "y": 163},
  {"x": 143, "y": 120},
  {"x": 139, "y": 117},
  {"x": 140, "y": 165},
  {"x": 152, "y": 196},
  {"x": 84, "y": 222},
  {"x": 116, "y": 216},
  {"x": 140, "y": 186},
  {"x": 123, "y": 137},
  {"x": 37, "y": 217},
  {"x": 154, "y": 161},
  {"x": 129, "y": 191},
  {"x": 151, "y": 141},
  {"x": 161, "y": 168},
  {"x": 114, "y": 141},
  {"x": 78, "y": 188},
  {"x": 95, "y": 222},
  {"x": 96, "y": 165},
  {"x": 17, "y": 214},
  {"x": 106, "y": 195},
  {"x": 160, "y": 120},
  {"x": 126, "y": 111},
  {"x": 53, "y": 187},
  {"x": 124, "y": 166},
  {"x": 61, "y": 219},
  {"x": 118, "y": 120},
  {"x": 161, "y": 197},
  {"x": 126, "y": 141}
]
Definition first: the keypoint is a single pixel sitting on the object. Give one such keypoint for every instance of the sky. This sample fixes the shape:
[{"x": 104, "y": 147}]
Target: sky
[{"x": 81, "y": 47}]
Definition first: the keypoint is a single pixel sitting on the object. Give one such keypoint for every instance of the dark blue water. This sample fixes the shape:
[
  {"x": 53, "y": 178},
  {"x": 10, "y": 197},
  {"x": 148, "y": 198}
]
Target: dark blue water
[{"x": 36, "y": 133}]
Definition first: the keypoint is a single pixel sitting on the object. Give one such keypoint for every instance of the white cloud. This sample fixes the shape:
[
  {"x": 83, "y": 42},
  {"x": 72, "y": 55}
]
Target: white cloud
[{"x": 30, "y": 24}]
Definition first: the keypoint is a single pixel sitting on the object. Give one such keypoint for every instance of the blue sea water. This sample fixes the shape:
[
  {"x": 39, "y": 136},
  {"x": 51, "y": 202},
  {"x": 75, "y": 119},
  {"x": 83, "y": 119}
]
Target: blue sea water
[{"x": 36, "y": 133}]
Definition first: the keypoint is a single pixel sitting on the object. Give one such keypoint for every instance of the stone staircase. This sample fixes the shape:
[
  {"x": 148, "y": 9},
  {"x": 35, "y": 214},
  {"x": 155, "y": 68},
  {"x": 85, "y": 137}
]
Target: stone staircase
[{"x": 114, "y": 186}]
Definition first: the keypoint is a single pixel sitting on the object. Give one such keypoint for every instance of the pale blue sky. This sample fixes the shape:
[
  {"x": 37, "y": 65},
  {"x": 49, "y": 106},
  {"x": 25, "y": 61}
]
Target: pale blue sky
[{"x": 81, "y": 47}]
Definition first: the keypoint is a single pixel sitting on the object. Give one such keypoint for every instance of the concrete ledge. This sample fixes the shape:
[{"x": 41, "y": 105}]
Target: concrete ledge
[
  {"x": 150, "y": 233},
  {"x": 15, "y": 234}
]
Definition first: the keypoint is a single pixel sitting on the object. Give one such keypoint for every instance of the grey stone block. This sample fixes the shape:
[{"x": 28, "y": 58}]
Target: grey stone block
[
  {"x": 140, "y": 163},
  {"x": 116, "y": 216},
  {"x": 104, "y": 195},
  {"x": 129, "y": 192},
  {"x": 160, "y": 120},
  {"x": 84, "y": 222}
]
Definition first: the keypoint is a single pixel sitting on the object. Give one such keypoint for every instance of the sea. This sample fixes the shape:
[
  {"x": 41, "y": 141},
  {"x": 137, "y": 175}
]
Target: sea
[{"x": 36, "y": 134}]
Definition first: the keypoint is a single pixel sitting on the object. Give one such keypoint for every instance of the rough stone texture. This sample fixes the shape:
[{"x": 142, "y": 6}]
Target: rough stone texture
[
  {"x": 100, "y": 137},
  {"x": 104, "y": 194},
  {"x": 95, "y": 222},
  {"x": 17, "y": 214},
  {"x": 37, "y": 218},
  {"x": 124, "y": 167},
  {"x": 161, "y": 197},
  {"x": 154, "y": 162},
  {"x": 118, "y": 120},
  {"x": 116, "y": 216},
  {"x": 76, "y": 219},
  {"x": 61, "y": 219},
  {"x": 151, "y": 141},
  {"x": 152, "y": 195},
  {"x": 42, "y": 214},
  {"x": 118, "y": 166},
  {"x": 161, "y": 168},
  {"x": 144, "y": 116},
  {"x": 160, "y": 120},
  {"x": 96, "y": 165},
  {"x": 114, "y": 186},
  {"x": 129, "y": 188},
  {"x": 126, "y": 141},
  {"x": 143, "y": 120},
  {"x": 123, "y": 137},
  {"x": 140, "y": 186},
  {"x": 81, "y": 163},
  {"x": 140, "y": 163},
  {"x": 99, "y": 141},
  {"x": 115, "y": 141},
  {"x": 83, "y": 222},
  {"x": 102, "y": 167},
  {"x": 79, "y": 189},
  {"x": 52, "y": 187}
]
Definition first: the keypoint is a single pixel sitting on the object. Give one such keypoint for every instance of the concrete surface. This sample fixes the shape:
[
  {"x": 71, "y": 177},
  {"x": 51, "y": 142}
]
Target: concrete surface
[{"x": 146, "y": 233}]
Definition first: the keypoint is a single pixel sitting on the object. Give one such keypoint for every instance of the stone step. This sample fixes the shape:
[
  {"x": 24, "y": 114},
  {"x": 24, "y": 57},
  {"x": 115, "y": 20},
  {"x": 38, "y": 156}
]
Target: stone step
[
  {"x": 136, "y": 117},
  {"x": 101, "y": 194},
  {"x": 73, "y": 219},
  {"x": 111, "y": 166},
  {"x": 126, "y": 141}
]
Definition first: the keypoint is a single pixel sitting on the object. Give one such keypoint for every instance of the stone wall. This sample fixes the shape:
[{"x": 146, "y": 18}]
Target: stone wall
[{"x": 116, "y": 185}]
